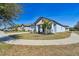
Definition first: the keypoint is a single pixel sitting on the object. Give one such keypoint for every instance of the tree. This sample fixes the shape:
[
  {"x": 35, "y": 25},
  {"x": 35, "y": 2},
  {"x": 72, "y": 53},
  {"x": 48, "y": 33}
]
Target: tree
[
  {"x": 9, "y": 12},
  {"x": 46, "y": 26}
]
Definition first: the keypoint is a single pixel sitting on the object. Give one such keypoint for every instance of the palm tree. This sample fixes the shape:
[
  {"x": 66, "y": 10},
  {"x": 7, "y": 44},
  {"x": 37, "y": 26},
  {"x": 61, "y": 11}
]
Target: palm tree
[{"x": 46, "y": 26}]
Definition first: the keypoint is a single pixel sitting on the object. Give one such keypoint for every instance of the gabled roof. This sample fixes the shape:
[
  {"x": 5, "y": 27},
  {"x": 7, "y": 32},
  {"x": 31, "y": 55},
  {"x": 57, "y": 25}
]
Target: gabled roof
[{"x": 49, "y": 20}]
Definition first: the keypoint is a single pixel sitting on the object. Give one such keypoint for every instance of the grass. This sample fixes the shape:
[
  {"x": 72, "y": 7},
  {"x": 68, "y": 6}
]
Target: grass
[
  {"x": 4, "y": 47},
  {"x": 51, "y": 50},
  {"x": 32, "y": 36}
]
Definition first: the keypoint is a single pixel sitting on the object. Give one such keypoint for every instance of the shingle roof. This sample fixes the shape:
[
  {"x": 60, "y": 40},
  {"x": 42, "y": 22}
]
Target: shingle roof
[{"x": 49, "y": 20}]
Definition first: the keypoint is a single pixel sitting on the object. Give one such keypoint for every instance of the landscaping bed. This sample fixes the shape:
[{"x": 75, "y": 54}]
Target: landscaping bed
[{"x": 32, "y": 36}]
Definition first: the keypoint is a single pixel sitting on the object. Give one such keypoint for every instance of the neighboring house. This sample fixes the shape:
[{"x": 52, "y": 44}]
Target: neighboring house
[
  {"x": 20, "y": 27},
  {"x": 24, "y": 28},
  {"x": 55, "y": 26}
]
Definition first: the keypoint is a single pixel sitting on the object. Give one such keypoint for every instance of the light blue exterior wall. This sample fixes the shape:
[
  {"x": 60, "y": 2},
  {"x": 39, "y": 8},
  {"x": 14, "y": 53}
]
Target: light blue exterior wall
[
  {"x": 60, "y": 28},
  {"x": 39, "y": 29},
  {"x": 36, "y": 28},
  {"x": 53, "y": 29},
  {"x": 57, "y": 28}
]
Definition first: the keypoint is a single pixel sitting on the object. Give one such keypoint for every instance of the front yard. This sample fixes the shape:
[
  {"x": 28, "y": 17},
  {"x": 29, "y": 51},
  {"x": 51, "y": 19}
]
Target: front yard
[
  {"x": 14, "y": 50},
  {"x": 49, "y": 50},
  {"x": 32, "y": 36}
]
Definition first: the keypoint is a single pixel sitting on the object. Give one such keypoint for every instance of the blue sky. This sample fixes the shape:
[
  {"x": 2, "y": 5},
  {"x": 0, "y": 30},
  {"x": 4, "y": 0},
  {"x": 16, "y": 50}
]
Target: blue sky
[{"x": 67, "y": 14}]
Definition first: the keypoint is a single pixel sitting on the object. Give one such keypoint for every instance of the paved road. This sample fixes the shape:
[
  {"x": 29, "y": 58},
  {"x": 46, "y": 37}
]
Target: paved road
[
  {"x": 2, "y": 34},
  {"x": 74, "y": 38},
  {"x": 6, "y": 37}
]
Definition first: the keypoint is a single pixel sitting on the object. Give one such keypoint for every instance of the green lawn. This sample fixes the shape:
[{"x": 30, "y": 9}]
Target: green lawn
[
  {"x": 51, "y": 50},
  {"x": 32, "y": 36}
]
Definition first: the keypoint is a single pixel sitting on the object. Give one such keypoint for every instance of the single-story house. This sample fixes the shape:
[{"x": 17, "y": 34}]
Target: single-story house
[
  {"x": 55, "y": 26},
  {"x": 20, "y": 27},
  {"x": 24, "y": 27},
  {"x": 37, "y": 26}
]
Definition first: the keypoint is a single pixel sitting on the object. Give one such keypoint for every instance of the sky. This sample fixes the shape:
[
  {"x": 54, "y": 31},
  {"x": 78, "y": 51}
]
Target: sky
[{"x": 64, "y": 13}]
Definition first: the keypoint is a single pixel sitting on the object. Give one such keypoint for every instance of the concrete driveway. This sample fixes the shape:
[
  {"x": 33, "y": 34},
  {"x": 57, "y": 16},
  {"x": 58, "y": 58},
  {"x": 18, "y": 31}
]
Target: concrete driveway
[{"x": 74, "y": 38}]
